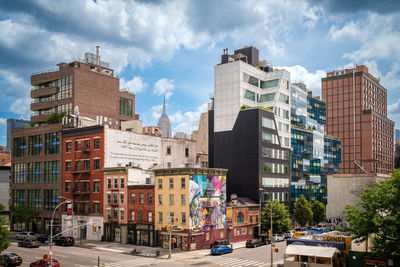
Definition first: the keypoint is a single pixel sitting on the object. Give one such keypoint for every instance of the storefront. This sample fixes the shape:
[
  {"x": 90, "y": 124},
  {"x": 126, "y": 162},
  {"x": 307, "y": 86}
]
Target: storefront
[{"x": 142, "y": 234}]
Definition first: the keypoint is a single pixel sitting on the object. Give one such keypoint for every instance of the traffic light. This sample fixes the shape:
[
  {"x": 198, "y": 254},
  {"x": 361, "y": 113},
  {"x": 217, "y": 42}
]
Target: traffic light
[
  {"x": 269, "y": 233},
  {"x": 168, "y": 228},
  {"x": 94, "y": 228}
]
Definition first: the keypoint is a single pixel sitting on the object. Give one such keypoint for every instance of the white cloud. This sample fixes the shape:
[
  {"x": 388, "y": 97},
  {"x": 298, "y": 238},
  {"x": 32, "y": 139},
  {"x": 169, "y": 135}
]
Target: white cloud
[
  {"x": 21, "y": 106},
  {"x": 350, "y": 30},
  {"x": 136, "y": 85},
  {"x": 311, "y": 79},
  {"x": 15, "y": 85},
  {"x": 156, "y": 112},
  {"x": 3, "y": 121},
  {"x": 187, "y": 121},
  {"x": 164, "y": 87}
]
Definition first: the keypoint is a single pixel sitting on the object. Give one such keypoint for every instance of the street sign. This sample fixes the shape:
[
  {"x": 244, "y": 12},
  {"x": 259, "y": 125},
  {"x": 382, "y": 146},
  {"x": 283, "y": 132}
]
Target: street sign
[{"x": 273, "y": 245}]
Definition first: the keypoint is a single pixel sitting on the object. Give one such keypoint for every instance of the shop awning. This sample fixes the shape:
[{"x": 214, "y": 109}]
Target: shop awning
[
  {"x": 174, "y": 233},
  {"x": 325, "y": 252}
]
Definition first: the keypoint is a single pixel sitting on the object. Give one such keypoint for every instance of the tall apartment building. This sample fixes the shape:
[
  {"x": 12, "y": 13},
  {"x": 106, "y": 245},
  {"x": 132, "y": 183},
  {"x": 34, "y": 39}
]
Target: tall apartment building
[
  {"x": 357, "y": 114},
  {"x": 87, "y": 84},
  {"x": 313, "y": 155},
  {"x": 201, "y": 137},
  {"x": 249, "y": 126}
]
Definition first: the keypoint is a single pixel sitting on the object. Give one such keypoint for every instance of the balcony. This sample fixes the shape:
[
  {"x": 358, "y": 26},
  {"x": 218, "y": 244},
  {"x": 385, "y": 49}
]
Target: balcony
[
  {"x": 79, "y": 170},
  {"x": 35, "y": 106},
  {"x": 39, "y": 118},
  {"x": 35, "y": 93}
]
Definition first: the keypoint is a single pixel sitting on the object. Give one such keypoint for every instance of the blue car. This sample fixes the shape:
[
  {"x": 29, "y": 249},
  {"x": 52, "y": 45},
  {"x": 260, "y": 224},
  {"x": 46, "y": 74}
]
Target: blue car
[{"x": 221, "y": 249}]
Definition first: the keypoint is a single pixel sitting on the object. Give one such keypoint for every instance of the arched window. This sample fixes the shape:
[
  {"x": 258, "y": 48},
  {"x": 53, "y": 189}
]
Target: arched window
[{"x": 240, "y": 218}]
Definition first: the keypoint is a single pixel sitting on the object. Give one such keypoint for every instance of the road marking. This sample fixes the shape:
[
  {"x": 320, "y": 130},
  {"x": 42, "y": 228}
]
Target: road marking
[
  {"x": 228, "y": 261},
  {"x": 109, "y": 249}
]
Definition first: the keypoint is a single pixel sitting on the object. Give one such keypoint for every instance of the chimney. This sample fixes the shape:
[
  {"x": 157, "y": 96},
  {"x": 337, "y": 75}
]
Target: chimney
[{"x": 97, "y": 55}]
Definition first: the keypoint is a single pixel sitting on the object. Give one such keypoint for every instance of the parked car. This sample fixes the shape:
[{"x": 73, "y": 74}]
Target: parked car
[
  {"x": 45, "y": 263},
  {"x": 221, "y": 249},
  {"x": 278, "y": 238},
  {"x": 64, "y": 241},
  {"x": 289, "y": 234},
  {"x": 220, "y": 242},
  {"x": 26, "y": 235},
  {"x": 43, "y": 238},
  {"x": 28, "y": 243},
  {"x": 10, "y": 259},
  {"x": 264, "y": 238},
  {"x": 252, "y": 243}
]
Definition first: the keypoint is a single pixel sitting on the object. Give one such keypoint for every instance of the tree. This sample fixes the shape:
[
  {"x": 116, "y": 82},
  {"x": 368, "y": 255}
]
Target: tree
[
  {"x": 302, "y": 211},
  {"x": 24, "y": 214},
  {"x": 377, "y": 216},
  {"x": 319, "y": 212},
  {"x": 280, "y": 217},
  {"x": 2, "y": 207},
  {"x": 4, "y": 232}
]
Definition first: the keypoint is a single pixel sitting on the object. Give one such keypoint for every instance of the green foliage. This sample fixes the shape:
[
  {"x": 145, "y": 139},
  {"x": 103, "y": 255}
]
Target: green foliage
[
  {"x": 268, "y": 109},
  {"x": 302, "y": 211},
  {"x": 4, "y": 232},
  {"x": 378, "y": 213},
  {"x": 55, "y": 118},
  {"x": 243, "y": 107},
  {"x": 2, "y": 207},
  {"x": 319, "y": 212},
  {"x": 280, "y": 217},
  {"x": 24, "y": 214}
]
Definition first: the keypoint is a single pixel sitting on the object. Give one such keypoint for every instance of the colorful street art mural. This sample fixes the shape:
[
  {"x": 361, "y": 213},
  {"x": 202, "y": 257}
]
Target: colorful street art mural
[{"x": 207, "y": 196}]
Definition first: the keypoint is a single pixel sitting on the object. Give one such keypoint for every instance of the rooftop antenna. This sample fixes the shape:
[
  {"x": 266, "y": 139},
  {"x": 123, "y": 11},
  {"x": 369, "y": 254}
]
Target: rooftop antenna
[{"x": 97, "y": 55}]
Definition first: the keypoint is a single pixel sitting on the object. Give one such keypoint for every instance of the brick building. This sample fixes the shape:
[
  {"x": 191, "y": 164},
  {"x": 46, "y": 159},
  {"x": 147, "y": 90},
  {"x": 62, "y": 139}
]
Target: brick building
[
  {"x": 83, "y": 159},
  {"x": 242, "y": 215},
  {"x": 88, "y": 84},
  {"x": 357, "y": 113},
  {"x": 5, "y": 156}
]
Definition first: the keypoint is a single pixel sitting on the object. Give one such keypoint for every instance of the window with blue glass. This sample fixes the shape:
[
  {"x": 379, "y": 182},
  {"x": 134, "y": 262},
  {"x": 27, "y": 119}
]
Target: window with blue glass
[
  {"x": 267, "y": 97},
  {"x": 52, "y": 171},
  {"x": 35, "y": 199},
  {"x": 269, "y": 84},
  {"x": 19, "y": 198},
  {"x": 35, "y": 172},
  {"x": 52, "y": 143},
  {"x": 19, "y": 147},
  {"x": 19, "y": 173},
  {"x": 250, "y": 79},
  {"x": 250, "y": 95},
  {"x": 35, "y": 145},
  {"x": 51, "y": 199}
]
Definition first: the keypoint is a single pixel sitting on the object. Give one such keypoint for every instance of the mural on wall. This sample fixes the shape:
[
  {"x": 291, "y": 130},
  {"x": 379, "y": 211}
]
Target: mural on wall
[{"x": 207, "y": 196}]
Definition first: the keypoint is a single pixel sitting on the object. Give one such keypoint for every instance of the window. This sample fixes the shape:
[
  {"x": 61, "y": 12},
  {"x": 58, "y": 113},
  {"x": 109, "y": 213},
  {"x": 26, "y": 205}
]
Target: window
[
  {"x": 96, "y": 164},
  {"x": 251, "y": 218},
  {"x": 77, "y": 165},
  {"x": 287, "y": 141},
  {"x": 87, "y": 165},
  {"x": 121, "y": 215},
  {"x": 51, "y": 199},
  {"x": 250, "y": 95},
  {"x": 171, "y": 183},
  {"x": 77, "y": 145},
  {"x": 86, "y": 207},
  {"x": 168, "y": 150},
  {"x": 132, "y": 215},
  {"x": 183, "y": 182},
  {"x": 284, "y": 98},
  {"x": 160, "y": 218},
  {"x": 150, "y": 198},
  {"x": 150, "y": 216},
  {"x": 141, "y": 216},
  {"x": 35, "y": 172},
  {"x": 267, "y": 97},
  {"x": 160, "y": 199},
  {"x": 268, "y": 123},
  {"x": 122, "y": 182},
  {"x": 109, "y": 183},
  {"x": 141, "y": 198},
  {"x": 183, "y": 199},
  {"x": 96, "y": 207},
  {"x": 269, "y": 84},
  {"x": 108, "y": 214},
  {"x": 96, "y": 186},
  {"x": 96, "y": 142},
  {"x": 268, "y": 137},
  {"x": 268, "y": 167},
  {"x": 115, "y": 214},
  {"x": 68, "y": 166},
  {"x": 19, "y": 197},
  {"x": 168, "y": 164},
  {"x": 257, "y": 218},
  {"x": 125, "y": 107},
  {"x": 35, "y": 145},
  {"x": 183, "y": 217},
  {"x": 171, "y": 199},
  {"x": 115, "y": 183},
  {"x": 285, "y": 114},
  {"x": 121, "y": 199},
  {"x": 19, "y": 147},
  {"x": 19, "y": 172},
  {"x": 51, "y": 171},
  {"x": 67, "y": 186},
  {"x": 250, "y": 79},
  {"x": 186, "y": 152},
  {"x": 115, "y": 198},
  {"x": 267, "y": 152},
  {"x": 159, "y": 183},
  {"x": 35, "y": 199},
  {"x": 108, "y": 198},
  {"x": 87, "y": 145},
  {"x": 171, "y": 216},
  {"x": 240, "y": 218},
  {"x": 68, "y": 146},
  {"x": 52, "y": 143}
]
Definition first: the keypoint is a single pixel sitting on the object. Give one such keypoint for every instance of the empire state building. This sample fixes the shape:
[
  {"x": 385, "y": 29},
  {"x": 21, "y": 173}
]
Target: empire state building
[{"x": 164, "y": 123}]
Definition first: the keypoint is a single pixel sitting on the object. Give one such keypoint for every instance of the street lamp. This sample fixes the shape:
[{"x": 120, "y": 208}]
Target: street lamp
[
  {"x": 51, "y": 229},
  {"x": 270, "y": 201}
]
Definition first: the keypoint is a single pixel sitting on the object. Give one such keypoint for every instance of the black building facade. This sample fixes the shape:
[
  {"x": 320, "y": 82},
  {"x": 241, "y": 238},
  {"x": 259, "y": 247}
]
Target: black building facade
[{"x": 258, "y": 166}]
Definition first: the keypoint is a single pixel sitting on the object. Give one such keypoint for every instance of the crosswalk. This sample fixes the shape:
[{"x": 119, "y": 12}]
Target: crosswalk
[
  {"x": 130, "y": 263},
  {"x": 227, "y": 261}
]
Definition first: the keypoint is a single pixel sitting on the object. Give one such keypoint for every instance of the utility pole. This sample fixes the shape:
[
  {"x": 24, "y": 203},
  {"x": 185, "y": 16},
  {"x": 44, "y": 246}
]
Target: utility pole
[
  {"x": 272, "y": 252},
  {"x": 170, "y": 219}
]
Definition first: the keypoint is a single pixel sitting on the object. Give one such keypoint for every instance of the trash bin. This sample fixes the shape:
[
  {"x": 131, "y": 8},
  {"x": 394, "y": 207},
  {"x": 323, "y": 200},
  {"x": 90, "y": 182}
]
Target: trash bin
[{"x": 157, "y": 253}]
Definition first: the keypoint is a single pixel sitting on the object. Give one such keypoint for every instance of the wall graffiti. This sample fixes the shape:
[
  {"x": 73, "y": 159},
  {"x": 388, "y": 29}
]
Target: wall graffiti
[{"x": 207, "y": 202}]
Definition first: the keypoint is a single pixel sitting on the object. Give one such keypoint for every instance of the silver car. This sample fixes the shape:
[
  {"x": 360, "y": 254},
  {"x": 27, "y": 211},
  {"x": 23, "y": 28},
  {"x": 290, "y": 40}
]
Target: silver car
[
  {"x": 278, "y": 238},
  {"x": 26, "y": 235}
]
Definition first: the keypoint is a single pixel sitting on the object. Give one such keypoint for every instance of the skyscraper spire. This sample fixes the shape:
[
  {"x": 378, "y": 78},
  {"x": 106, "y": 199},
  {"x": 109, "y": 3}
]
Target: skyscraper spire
[{"x": 164, "y": 108}]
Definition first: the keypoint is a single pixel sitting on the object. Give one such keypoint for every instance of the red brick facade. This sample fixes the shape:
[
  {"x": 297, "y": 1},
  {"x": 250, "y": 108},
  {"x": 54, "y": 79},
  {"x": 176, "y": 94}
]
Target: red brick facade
[
  {"x": 141, "y": 202},
  {"x": 243, "y": 223}
]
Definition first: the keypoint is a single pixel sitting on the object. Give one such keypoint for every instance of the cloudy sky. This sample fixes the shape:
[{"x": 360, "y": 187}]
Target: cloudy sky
[{"x": 171, "y": 47}]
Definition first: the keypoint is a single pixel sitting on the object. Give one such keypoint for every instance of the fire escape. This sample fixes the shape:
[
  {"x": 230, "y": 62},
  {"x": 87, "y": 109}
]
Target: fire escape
[{"x": 81, "y": 180}]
